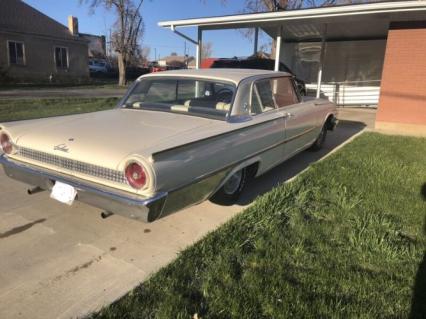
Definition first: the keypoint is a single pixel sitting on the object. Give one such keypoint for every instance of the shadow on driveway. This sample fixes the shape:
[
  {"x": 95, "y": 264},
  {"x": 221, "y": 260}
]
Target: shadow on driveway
[{"x": 290, "y": 168}]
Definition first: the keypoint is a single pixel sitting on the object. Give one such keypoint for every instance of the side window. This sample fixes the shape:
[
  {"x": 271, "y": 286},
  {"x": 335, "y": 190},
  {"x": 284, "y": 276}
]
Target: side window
[
  {"x": 264, "y": 89},
  {"x": 283, "y": 92},
  {"x": 256, "y": 105},
  {"x": 61, "y": 58},
  {"x": 262, "y": 97},
  {"x": 16, "y": 53}
]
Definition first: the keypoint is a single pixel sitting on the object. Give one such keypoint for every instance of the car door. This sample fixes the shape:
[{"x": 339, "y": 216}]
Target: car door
[
  {"x": 299, "y": 118},
  {"x": 268, "y": 123}
]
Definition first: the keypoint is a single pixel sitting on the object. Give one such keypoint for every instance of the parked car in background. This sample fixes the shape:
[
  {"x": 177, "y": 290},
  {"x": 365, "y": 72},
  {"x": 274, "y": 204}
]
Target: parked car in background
[
  {"x": 176, "y": 139},
  {"x": 96, "y": 66},
  {"x": 133, "y": 72},
  {"x": 255, "y": 63},
  {"x": 155, "y": 67}
]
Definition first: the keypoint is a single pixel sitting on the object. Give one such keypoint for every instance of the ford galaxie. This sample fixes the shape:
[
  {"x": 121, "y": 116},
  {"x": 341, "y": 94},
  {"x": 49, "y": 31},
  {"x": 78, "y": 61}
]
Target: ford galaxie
[{"x": 176, "y": 139}]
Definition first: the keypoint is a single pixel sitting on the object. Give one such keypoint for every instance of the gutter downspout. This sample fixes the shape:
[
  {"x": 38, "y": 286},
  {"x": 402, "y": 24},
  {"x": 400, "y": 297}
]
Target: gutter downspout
[{"x": 173, "y": 28}]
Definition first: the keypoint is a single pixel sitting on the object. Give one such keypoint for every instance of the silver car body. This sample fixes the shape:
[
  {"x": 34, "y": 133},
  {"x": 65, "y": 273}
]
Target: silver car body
[{"x": 188, "y": 158}]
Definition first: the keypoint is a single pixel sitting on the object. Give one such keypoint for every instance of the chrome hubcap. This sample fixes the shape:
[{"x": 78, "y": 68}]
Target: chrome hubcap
[{"x": 231, "y": 186}]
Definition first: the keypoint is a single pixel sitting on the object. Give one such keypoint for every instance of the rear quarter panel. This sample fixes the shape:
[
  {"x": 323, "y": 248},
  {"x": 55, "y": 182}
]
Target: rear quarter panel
[{"x": 181, "y": 166}]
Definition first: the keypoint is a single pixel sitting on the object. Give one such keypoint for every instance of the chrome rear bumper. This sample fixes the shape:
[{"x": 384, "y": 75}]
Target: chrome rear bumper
[{"x": 145, "y": 209}]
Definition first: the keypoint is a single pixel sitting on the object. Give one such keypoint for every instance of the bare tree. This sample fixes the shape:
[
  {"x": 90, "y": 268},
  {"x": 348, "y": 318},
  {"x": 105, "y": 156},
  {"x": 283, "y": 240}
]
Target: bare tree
[
  {"x": 206, "y": 50},
  {"x": 128, "y": 30},
  {"x": 144, "y": 54},
  {"x": 281, "y": 5}
]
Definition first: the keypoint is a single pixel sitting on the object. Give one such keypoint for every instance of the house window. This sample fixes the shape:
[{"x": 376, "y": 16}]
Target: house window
[
  {"x": 16, "y": 53},
  {"x": 61, "y": 58}
]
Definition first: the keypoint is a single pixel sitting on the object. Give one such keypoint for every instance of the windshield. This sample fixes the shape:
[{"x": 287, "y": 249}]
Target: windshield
[{"x": 209, "y": 98}]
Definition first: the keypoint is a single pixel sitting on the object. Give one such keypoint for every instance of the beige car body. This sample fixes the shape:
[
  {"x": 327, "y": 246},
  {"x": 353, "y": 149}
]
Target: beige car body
[{"x": 187, "y": 158}]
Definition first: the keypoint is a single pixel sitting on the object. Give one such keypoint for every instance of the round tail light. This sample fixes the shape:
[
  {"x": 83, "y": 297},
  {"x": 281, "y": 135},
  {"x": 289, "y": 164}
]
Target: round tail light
[
  {"x": 136, "y": 175},
  {"x": 6, "y": 144}
]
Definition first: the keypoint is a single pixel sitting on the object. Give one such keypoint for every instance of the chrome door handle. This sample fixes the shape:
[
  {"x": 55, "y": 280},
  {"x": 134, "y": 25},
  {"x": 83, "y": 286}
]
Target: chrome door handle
[{"x": 286, "y": 114}]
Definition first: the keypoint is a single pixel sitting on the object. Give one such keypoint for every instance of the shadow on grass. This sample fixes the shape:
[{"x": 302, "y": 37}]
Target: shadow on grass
[
  {"x": 418, "y": 303},
  {"x": 290, "y": 168}
]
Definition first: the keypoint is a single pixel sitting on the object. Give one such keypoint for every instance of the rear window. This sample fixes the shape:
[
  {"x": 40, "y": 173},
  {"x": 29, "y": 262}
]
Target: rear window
[{"x": 201, "y": 97}]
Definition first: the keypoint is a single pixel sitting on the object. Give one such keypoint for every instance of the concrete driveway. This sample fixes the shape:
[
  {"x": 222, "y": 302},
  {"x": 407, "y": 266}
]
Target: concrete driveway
[{"x": 61, "y": 262}]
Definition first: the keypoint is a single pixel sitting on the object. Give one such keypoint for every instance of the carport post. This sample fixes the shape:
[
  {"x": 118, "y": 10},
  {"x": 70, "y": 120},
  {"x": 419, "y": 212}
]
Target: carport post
[
  {"x": 199, "y": 48},
  {"x": 321, "y": 63},
  {"x": 278, "y": 50},
  {"x": 256, "y": 40}
]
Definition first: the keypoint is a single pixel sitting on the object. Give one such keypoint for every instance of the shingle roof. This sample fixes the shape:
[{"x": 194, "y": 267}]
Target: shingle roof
[{"x": 17, "y": 16}]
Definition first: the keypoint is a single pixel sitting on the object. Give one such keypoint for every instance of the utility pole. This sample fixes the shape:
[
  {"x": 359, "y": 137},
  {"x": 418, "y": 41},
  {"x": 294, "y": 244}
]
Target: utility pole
[
  {"x": 185, "y": 57},
  {"x": 110, "y": 43}
]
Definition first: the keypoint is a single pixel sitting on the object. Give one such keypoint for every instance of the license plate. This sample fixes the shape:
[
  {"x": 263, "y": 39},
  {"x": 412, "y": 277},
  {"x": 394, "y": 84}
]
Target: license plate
[{"x": 63, "y": 193}]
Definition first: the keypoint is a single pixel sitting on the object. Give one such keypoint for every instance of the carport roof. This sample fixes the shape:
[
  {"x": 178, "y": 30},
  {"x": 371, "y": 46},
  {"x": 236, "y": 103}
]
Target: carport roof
[{"x": 360, "y": 21}]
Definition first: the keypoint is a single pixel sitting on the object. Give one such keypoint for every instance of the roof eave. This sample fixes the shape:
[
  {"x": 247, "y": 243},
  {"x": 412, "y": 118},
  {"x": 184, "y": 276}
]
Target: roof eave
[{"x": 304, "y": 14}]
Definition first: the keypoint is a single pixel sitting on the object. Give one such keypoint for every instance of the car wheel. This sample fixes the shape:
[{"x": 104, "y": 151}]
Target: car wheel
[
  {"x": 229, "y": 193},
  {"x": 319, "y": 142}
]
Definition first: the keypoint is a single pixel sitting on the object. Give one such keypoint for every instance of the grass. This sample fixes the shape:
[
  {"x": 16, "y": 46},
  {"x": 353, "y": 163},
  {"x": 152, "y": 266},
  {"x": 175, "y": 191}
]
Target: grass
[
  {"x": 345, "y": 239},
  {"x": 23, "y": 109}
]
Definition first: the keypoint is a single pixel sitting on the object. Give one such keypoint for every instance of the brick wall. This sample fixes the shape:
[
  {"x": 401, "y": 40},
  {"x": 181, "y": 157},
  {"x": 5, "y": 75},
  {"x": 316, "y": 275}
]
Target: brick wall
[{"x": 402, "y": 101}]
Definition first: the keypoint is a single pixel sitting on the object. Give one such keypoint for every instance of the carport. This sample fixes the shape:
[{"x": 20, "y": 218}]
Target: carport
[{"x": 356, "y": 55}]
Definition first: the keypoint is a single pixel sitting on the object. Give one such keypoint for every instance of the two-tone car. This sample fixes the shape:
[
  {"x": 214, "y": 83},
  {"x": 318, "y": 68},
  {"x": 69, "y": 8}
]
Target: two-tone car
[{"x": 177, "y": 138}]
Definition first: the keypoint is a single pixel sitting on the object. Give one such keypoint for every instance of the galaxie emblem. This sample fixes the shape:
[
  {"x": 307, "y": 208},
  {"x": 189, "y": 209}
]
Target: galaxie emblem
[{"x": 62, "y": 148}]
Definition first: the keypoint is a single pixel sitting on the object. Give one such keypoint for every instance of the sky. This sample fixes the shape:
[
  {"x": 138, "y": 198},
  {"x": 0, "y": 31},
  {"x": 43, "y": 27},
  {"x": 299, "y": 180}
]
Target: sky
[{"x": 162, "y": 42}]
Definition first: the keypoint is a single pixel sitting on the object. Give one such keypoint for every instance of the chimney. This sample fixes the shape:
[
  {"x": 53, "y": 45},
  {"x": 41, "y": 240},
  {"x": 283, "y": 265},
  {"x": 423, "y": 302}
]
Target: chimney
[{"x": 73, "y": 25}]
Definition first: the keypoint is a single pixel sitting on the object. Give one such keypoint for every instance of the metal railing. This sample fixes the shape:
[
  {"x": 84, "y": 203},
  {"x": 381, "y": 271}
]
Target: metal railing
[{"x": 349, "y": 93}]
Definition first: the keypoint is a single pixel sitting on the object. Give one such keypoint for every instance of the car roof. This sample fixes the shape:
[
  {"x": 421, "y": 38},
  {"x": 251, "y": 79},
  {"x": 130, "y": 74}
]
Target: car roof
[{"x": 223, "y": 74}]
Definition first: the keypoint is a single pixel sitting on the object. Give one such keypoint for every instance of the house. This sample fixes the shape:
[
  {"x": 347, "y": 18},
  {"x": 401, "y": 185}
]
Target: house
[
  {"x": 96, "y": 45},
  {"x": 362, "y": 54},
  {"x": 34, "y": 47}
]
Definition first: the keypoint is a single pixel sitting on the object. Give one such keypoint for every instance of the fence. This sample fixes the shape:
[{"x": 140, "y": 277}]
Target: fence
[{"x": 359, "y": 93}]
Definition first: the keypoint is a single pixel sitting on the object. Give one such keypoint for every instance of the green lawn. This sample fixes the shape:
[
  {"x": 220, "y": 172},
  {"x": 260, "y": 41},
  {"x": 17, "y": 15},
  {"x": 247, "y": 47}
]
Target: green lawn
[
  {"x": 23, "y": 109},
  {"x": 93, "y": 83},
  {"x": 345, "y": 239}
]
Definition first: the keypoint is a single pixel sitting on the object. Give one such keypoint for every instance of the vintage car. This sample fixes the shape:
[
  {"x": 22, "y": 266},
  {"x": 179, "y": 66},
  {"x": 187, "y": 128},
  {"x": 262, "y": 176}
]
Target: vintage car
[{"x": 176, "y": 139}]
